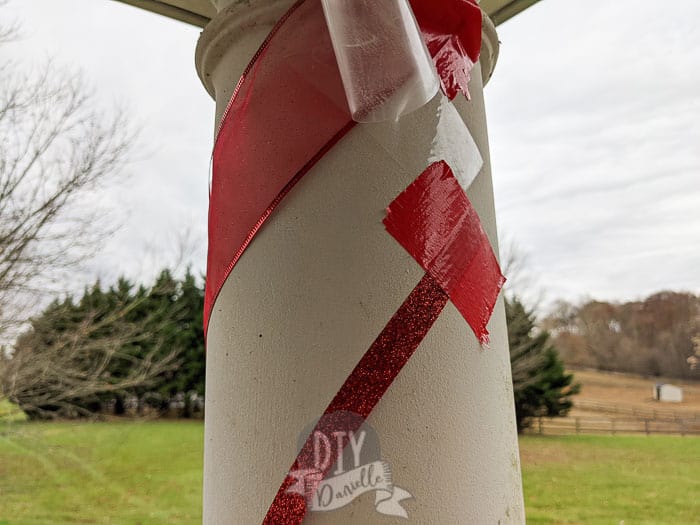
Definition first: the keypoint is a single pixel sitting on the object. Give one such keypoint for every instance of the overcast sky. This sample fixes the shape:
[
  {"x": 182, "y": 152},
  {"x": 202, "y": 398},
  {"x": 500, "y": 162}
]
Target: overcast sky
[{"x": 594, "y": 119}]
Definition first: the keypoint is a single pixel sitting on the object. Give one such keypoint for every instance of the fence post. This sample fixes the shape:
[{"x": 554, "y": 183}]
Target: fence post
[
  {"x": 681, "y": 423},
  {"x": 646, "y": 426},
  {"x": 612, "y": 424},
  {"x": 578, "y": 426},
  {"x": 539, "y": 420}
]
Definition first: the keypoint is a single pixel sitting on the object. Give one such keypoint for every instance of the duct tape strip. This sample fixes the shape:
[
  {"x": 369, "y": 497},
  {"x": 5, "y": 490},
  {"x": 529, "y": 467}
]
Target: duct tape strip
[
  {"x": 435, "y": 222},
  {"x": 455, "y": 145},
  {"x": 449, "y": 30},
  {"x": 449, "y": 139},
  {"x": 289, "y": 109}
]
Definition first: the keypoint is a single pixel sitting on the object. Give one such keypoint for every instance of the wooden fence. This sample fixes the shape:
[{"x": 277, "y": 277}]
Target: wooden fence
[
  {"x": 561, "y": 426},
  {"x": 661, "y": 413}
]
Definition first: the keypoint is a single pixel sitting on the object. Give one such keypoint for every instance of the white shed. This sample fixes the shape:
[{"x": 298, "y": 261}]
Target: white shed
[{"x": 668, "y": 393}]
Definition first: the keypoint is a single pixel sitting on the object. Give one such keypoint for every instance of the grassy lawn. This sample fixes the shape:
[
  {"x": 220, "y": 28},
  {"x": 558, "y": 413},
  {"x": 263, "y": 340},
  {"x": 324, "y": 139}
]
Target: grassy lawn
[
  {"x": 9, "y": 413},
  {"x": 611, "y": 480},
  {"x": 150, "y": 473},
  {"x": 116, "y": 473}
]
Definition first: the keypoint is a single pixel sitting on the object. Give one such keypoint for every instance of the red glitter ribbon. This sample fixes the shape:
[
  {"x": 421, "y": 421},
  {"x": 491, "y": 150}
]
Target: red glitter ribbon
[
  {"x": 434, "y": 220},
  {"x": 361, "y": 392},
  {"x": 289, "y": 109}
]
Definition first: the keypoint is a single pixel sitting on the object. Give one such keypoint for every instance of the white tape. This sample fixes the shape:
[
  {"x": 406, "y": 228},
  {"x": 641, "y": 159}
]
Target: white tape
[
  {"x": 454, "y": 144},
  {"x": 447, "y": 139}
]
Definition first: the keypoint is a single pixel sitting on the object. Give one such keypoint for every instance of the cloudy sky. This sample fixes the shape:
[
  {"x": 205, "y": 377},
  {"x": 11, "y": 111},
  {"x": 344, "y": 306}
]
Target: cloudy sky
[{"x": 594, "y": 117}]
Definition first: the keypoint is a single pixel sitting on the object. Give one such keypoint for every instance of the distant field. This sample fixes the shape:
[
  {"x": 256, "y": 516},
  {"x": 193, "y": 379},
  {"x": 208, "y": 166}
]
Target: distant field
[
  {"x": 150, "y": 473},
  {"x": 634, "y": 391},
  {"x": 612, "y": 403}
]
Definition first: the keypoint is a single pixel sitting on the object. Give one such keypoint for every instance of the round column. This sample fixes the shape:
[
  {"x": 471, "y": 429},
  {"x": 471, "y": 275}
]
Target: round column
[{"x": 312, "y": 292}]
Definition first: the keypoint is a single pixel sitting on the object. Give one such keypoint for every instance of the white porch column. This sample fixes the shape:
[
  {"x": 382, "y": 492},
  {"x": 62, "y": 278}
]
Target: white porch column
[{"x": 309, "y": 296}]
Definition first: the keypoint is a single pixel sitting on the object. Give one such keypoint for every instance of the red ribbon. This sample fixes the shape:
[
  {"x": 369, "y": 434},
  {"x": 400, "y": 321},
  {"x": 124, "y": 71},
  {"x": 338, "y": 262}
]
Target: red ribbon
[{"x": 289, "y": 109}]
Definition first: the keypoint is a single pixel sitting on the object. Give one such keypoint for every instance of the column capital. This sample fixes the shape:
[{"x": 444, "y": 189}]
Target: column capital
[
  {"x": 234, "y": 19},
  {"x": 490, "y": 47},
  {"x": 238, "y": 17}
]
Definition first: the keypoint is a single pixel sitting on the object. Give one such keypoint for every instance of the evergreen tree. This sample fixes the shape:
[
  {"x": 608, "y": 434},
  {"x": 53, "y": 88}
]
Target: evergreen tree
[
  {"x": 173, "y": 309},
  {"x": 109, "y": 345},
  {"x": 189, "y": 336},
  {"x": 176, "y": 309},
  {"x": 540, "y": 383}
]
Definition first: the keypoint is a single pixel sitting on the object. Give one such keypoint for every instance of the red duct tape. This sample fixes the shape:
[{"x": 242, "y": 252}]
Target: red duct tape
[
  {"x": 289, "y": 109},
  {"x": 435, "y": 222},
  {"x": 452, "y": 31}
]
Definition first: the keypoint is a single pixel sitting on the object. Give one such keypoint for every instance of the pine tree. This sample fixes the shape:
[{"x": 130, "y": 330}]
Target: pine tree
[
  {"x": 108, "y": 345},
  {"x": 189, "y": 337},
  {"x": 176, "y": 308},
  {"x": 541, "y": 385}
]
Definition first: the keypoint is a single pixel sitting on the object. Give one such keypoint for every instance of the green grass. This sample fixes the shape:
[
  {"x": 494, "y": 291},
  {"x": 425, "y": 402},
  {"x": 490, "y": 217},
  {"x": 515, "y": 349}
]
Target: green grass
[
  {"x": 611, "y": 480},
  {"x": 150, "y": 473},
  {"x": 10, "y": 413},
  {"x": 116, "y": 473}
]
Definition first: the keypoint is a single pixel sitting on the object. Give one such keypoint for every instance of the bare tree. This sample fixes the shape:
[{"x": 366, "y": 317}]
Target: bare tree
[
  {"x": 73, "y": 355},
  {"x": 522, "y": 280},
  {"x": 694, "y": 360},
  {"x": 8, "y": 32},
  {"x": 526, "y": 364},
  {"x": 657, "y": 336},
  {"x": 56, "y": 153}
]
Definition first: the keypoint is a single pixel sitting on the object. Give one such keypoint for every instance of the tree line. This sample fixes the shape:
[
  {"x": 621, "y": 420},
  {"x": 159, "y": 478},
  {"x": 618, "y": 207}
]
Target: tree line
[
  {"x": 109, "y": 349},
  {"x": 656, "y": 336},
  {"x": 139, "y": 350}
]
